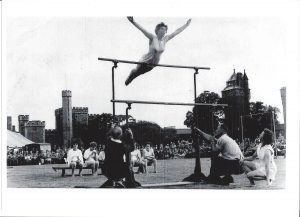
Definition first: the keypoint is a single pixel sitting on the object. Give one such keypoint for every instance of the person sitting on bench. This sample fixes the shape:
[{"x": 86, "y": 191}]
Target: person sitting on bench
[
  {"x": 74, "y": 157},
  {"x": 91, "y": 158},
  {"x": 149, "y": 157},
  {"x": 226, "y": 156},
  {"x": 101, "y": 158},
  {"x": 136, "y": 159}
]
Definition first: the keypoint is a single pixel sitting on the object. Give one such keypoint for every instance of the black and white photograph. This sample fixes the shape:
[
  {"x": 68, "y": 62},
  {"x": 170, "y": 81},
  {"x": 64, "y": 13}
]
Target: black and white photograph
[{"x": 125, "y": 107}]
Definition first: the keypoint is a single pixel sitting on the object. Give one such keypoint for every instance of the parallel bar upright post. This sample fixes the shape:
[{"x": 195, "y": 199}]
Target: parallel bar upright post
[
  {"x": 113, "y": 85},
  {"x": 242, "y": 129},
  {"x": 274, "y": 131},
  {"x": 197, "y": 170},
  {"x": 195, "y": 84},
  {"x": 127, "y": 109}
]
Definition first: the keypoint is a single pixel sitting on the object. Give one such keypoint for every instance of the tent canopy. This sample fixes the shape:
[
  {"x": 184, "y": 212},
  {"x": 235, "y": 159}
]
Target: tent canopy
[{"x": 15, "y": 139}]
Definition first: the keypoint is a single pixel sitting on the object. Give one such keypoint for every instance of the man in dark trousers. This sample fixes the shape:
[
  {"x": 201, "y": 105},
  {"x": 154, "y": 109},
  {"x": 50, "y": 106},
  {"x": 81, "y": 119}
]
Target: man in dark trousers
[{"x": 226, "y": 156}]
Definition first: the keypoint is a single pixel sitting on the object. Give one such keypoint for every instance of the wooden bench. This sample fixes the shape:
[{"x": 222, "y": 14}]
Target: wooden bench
[
  {"x": 259, "y": 178},
  {"x": 64, "y": 168}
]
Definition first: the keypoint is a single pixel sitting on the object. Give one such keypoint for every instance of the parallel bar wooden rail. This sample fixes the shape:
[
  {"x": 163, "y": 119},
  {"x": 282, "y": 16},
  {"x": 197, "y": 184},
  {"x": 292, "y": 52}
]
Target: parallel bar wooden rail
[
  {"x": 160, "y": 65},
  {"x": 167, "y": 103}
]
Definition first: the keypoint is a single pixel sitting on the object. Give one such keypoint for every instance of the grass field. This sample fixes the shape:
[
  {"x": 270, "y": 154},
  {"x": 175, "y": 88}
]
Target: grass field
[{"x": 43, "y": 176}]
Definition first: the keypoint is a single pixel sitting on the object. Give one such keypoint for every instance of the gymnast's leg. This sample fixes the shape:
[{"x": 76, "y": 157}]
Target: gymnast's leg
[{"x": 139, "y": 70}]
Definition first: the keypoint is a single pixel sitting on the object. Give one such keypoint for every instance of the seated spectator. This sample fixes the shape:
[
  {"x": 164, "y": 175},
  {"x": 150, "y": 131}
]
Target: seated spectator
[
  {"x": 27, "y": 157},
  {"x": 160, "y": 152},
  {"x": 35, "y": 160},
  {"x": 101, "y": 155},
  {"x": 42, "y": 157},
  {"x": 91, "y": 157},
  {"x": 101, "y": 158},
  {"x": 156, "y": 150},
  {"x": 48, "y": 159},
  {"x": 66, "y": 150},
  {"x": 74, "y": 157},
  {"x": 136, "y": 160},
  {"x": 20, "y": 158},
  {"x": 181, "y": 153},
  {"x": 149, "y": 157},
  {"x": 11, "y": 159},
  {"x": 252, "y": 148},
  {"x": 55, "y": 157},
  {"x": 172, "y": 150}
]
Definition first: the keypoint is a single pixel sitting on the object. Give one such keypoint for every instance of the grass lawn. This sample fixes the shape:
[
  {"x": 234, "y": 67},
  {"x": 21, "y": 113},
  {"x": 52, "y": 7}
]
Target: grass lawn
[{"x": 173, "y": 170}]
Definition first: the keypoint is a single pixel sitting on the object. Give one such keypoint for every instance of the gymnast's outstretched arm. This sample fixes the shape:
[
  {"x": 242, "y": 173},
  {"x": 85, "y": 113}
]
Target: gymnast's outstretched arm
[
  {"x": 138, "y": 26},
  {"x": 179, "y": 30}
]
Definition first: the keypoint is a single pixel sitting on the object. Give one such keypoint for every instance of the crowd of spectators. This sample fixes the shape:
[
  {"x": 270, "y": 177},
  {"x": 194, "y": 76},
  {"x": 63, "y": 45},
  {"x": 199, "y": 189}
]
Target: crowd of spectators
[
  {"x": 248, "y": 147},
  {"x": 23, "y": 156},
  {"x": 179, "y": 149},
  {"x": 172, "y": 150}
]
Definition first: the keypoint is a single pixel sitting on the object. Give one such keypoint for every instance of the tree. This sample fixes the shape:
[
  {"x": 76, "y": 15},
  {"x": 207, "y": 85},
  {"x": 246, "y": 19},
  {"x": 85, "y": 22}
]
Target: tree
[
  {"x": 100, "y": 125},
  {"x": 169, "y": 135},
  {"x": 205, "y": 117},
  {"x": 202, "y": 117},
  {"x": 260, "y": 117},
  {"x": 145, "y": 131}
]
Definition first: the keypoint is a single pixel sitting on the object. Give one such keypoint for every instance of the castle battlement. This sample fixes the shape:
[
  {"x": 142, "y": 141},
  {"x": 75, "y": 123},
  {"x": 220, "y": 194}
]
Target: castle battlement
[
  {"x": 50, "y": 130},
  {"x": 83, "y": 110},
  {"x": 35, "y": 124},
  {"x": 66, "y": 93},
  {"x": 58, "y": 111},
  {"x": 23, "y": 117},
  {"x": 94, "y": 115}
]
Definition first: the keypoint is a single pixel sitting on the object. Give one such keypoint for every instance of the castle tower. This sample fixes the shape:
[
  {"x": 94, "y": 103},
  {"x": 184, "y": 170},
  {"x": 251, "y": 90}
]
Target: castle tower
[
  {"x": 67, "y": 129},
  {"x": 9, "y": 127},
  {"x": 237, "y": 95},
  {"x": 80, "y": 121},
  {"x": 51, "y": 137},
  {"x": 22, "y": 120},
  {"x": 247, "y": 93},
  {"x": 59, "y": 126},
  {"x": 35, "y": 131}
]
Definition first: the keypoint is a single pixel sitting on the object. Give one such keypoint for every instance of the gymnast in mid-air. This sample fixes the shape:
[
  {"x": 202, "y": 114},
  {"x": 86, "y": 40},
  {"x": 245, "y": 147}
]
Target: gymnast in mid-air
[{"x": 157, "y": 44}]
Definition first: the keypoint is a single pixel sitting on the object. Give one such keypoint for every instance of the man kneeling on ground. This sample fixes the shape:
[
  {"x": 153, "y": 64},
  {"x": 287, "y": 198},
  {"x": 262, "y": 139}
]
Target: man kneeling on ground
[
  {"x": 91, "y": 158},
  {"x": 74, "y": 157},
  {"x": 226, "y": 156}
]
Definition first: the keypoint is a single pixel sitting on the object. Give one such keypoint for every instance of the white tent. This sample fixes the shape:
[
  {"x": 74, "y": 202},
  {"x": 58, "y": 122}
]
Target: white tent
[{"x": 15, "y": 139}]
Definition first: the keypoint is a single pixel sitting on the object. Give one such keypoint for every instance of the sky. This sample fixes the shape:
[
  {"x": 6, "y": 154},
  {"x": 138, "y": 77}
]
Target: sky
[{"x": 45, "y": 55}]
